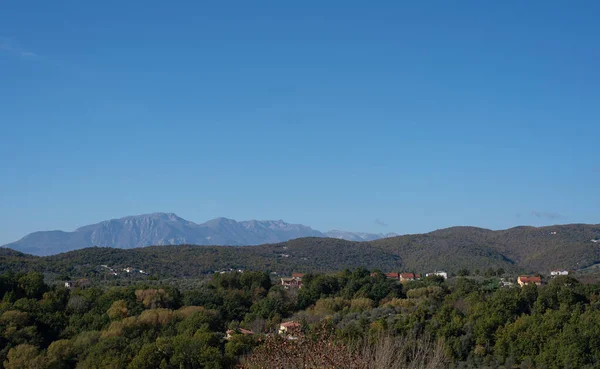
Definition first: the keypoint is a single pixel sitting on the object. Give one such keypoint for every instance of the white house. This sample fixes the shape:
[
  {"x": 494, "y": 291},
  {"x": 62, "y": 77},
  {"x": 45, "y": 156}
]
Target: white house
[
  {"x": 559, "y": 272},
  {"x": 440, "y": 274},
  {"x": 505, "y": 283}
]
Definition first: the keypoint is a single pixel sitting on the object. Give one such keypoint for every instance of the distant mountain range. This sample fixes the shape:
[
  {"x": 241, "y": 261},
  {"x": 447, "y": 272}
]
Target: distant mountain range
[{"x": 159, "y": 229}]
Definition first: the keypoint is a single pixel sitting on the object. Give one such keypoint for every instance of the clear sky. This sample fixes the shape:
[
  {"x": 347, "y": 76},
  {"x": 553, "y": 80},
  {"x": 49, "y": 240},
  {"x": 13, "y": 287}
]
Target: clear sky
[{"x": 387, "y": 116}]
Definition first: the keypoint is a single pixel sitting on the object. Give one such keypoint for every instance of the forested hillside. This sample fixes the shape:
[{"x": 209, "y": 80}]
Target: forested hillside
[
  {"x": 530, "y": 248},
  {"x": 526, "y": 249}
]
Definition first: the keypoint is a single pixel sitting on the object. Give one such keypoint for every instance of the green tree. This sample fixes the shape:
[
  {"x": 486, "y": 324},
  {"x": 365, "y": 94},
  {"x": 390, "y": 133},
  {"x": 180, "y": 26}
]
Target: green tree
[
  {"x": 25, "y": 357},
  {"x": 118, "y": 310},
  {"x": 32, "y": 285}
]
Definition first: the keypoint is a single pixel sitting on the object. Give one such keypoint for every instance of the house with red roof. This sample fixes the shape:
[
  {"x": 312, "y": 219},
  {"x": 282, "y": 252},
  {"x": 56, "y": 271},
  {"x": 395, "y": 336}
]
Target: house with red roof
[
  {"x": 286, "y": 327},
  {"x": 524, "y": 280},
  {"x": 405, "y": 277},
  {"x": 395, "y": 276},
  {"x": 294, "y": 282},
  {"x": 243, "y": 331}
]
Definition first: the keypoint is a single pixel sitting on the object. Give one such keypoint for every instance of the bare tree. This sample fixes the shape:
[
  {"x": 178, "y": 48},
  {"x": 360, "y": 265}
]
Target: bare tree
[{"x": 321, "y": 349}]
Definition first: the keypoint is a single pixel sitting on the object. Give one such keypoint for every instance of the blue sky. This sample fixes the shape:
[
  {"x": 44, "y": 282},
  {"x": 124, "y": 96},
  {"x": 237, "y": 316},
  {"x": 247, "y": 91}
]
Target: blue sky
[{"x": 395, "y": 116}]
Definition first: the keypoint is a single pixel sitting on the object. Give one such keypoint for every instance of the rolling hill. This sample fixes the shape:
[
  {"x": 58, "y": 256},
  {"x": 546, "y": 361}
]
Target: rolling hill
[{"x": 520, "y": 249}]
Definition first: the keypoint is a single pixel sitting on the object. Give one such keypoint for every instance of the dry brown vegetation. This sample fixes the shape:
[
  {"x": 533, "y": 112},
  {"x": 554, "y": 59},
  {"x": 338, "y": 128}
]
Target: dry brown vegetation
[{"x": 321, "y": 349}]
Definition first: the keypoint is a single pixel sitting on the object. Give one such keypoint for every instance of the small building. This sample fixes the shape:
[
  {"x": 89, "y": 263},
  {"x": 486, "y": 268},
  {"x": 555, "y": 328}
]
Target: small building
[
  {"x": 69, "y": 284},
  {"x": 294, "y": 282},
  {"x": 286, "y": 327},
  {"x": 559, "y": 272},
  {"x": 524, "y": 280},
  {"x": 405, "y": 277},
  {"x": 231, "y": 332},
  {"x": 439, "y": 274},
  {"x": 395, "y": 276},
  {"x": 505, "y": 283}
]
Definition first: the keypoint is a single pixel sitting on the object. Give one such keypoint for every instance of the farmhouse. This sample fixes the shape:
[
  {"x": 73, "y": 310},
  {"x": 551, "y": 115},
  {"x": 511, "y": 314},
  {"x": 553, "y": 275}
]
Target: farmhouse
[
  {"x": 523, "y": 280},
  {"x": 405, "y": 277},
  {"x": 395, "y": 276},
  {"x": 294, "y": 282},
  {"x": 231, "y": 332},
  {"x": 286, "y": 327}
]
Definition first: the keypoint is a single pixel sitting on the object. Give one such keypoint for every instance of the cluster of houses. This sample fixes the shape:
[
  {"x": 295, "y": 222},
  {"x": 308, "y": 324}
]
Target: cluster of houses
[
  {"x": 229, "y": 270},
  {"x": 524, "y": 280},
  {"x": 128, "y": 270},
  {"x": 111, "y": 271},
  {"x": 521, "y": 280},
  {"x": 295, "y": 281}
]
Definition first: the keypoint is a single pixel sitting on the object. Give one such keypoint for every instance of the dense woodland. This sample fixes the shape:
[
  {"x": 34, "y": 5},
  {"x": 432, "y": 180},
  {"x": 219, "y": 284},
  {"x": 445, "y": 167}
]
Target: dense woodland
[
  {"x": 349, "y": 319},
  {"x": 176, "y": 313}
]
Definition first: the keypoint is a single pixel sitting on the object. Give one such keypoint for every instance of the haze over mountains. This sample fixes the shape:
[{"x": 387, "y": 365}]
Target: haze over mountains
[{"x": 169, "y": 229}]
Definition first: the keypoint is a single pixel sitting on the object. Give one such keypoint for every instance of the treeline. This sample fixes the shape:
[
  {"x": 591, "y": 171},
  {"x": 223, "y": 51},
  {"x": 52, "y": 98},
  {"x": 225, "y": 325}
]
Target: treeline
[{"x": 357, "y": 314}]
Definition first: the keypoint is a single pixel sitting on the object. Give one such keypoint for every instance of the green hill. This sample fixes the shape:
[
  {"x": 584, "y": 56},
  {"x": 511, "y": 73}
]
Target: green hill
[
  {"x": 530, "y": 248},
  {"x": 520, "y": 249}
]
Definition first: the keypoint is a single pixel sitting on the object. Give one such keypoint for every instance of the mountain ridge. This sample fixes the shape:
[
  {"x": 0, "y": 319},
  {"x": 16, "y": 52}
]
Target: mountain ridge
[{"x": 160, "y": 229}]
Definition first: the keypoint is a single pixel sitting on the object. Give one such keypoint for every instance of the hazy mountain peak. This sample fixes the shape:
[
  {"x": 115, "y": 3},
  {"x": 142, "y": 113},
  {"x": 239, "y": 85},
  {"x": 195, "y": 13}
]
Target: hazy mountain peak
[
  {"x": 170, "y": 229},
  {"x": 155, "y": 216}
]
